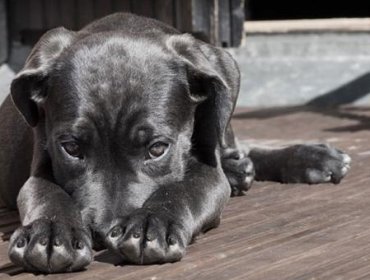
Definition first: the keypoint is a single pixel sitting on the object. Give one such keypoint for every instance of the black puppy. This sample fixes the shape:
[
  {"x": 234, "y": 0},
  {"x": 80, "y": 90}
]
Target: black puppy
[{"x": 132, "y": 147}]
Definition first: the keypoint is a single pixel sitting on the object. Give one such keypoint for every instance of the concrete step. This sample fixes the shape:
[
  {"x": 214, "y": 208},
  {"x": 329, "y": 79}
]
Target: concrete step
[{"x": 287, "y": 69}]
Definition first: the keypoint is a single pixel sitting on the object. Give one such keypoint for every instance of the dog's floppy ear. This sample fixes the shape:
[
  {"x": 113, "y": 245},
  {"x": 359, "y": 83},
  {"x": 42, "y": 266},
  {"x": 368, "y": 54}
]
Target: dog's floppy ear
[
  {"x": 28, "y": 88},
  {"x": 213, "y": 79}
]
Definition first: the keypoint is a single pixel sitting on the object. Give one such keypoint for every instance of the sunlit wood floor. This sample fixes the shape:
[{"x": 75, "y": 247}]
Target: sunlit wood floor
[{"x": 275, "y": 231}]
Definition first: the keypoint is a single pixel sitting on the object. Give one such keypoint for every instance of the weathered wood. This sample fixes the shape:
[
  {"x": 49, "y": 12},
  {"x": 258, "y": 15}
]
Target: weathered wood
[
  {"x": 68, "y": 14},
  {"x": 143, "y": 7},
  {"x": 102, "y": 8},
  {"x": 52, "y": 13},
  {"x": 184, "y": 15},
  {"x": 121, "y": 5},
  {"x": 276, "y": 231},
  {"x": 85, "y": 12},
  {"x": 3, "y": 32},
  {"x": 202, "y": 15},
  {"x": 219, "y": 22},
  {"x": 36, "y": 15},
  {"x": 19, "y": 18},
  {"x": 237, "y": 20},
  {"x": 224, "y": 23},
  {"x": 164, "y": 11}
]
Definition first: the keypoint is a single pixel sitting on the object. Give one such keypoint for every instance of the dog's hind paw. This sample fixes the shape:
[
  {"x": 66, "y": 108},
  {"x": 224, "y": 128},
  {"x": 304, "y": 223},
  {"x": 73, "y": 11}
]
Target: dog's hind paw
[
  {"x": 146, "y": 237},
  {"x": 239, "y": 171},
  {"x": 315, "y": 164},
  {"x": 50, "y": 247}
]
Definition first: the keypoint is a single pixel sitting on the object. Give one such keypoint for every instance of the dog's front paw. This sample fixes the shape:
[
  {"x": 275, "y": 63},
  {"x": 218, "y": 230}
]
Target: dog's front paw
[
  {"x": 314, "y": 164},
  {"x": 49, "y": 246},
  {"x": 239, "y": 171},
  {"x": 147, "y": 237}
]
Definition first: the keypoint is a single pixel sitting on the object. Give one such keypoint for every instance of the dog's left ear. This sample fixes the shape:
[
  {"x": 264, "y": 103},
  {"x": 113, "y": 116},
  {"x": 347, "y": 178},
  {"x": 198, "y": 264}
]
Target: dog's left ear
[
  {"x": 28, "y": 88},
  {"x": 213, "y": 79}
]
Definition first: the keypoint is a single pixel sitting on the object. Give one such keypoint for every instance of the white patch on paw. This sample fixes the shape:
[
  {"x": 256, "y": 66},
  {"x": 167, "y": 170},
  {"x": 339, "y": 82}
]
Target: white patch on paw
[
  {"x": 154, "y": 244},
  {"x": 61, "y": 250},
  {"x": 249, "y": 168},
  {"x": 19, "y": 252},
  {"x": 84, "y": 251},
  {"x": 175, "y": 252},
  {"x": 248, "y": 180},
  {"x": 132, "y": 242},
  {"x": 174, "y": 248},
  {"x": 39, "y": 248},
  {"x": 84, "y": 257},
  {"x": 345, "y": 169},
  {"x": 327, "y": 178},
  {"x": 346, "y": 159}
]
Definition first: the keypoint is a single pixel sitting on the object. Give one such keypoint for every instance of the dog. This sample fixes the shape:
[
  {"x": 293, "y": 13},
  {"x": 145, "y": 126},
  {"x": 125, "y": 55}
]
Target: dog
[{"x": 118, "y": 136}]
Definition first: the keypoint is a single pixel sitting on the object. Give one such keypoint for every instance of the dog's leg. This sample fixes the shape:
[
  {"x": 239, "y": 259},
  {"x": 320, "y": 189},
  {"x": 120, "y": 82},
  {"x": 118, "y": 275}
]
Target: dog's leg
[
  {"x": 237, "y": 166},
  {"x": 160, "y": 230},
  {"x": 15, "y": 153},
  {"x": 52, "y": 237},
  {"x": 311, "y": 164}
]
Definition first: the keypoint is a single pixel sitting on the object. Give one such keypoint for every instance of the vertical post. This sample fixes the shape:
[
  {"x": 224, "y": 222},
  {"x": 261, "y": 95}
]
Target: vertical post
[
  {"x": 3, "y": 32},
  {"x": 224, "y": 23},
  {"x": 237, "y": 20},
  {"x": 214, "y": 30},
  {"x": 184, "y": 15},
  {"x": 219, "y": 22}
]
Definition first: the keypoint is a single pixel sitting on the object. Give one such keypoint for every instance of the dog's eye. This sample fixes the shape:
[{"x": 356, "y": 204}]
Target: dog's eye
[
  {"x": 157, "y": 149},
  {"x": 72, "y": 148}
]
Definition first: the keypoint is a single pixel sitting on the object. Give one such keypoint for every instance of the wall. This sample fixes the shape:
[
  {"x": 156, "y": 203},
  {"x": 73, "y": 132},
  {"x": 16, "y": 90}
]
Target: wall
[{"x": 321, "y": 68}]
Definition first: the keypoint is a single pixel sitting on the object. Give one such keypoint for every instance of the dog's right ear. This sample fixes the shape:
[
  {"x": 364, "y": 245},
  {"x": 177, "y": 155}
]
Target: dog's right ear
[{"x": 28, "y": 89}]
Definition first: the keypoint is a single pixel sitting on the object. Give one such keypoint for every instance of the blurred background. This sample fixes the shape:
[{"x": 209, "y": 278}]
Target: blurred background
[{"x": 291, "y": 53}]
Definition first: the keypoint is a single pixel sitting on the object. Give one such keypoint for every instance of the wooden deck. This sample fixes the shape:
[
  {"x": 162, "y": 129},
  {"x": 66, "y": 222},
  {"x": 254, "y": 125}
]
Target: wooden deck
[{"x": 275, "y": 231}]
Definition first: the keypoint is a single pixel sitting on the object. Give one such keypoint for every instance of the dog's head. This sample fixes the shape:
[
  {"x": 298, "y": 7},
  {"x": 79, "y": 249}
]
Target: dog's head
[{"x": 118, "y": 111}]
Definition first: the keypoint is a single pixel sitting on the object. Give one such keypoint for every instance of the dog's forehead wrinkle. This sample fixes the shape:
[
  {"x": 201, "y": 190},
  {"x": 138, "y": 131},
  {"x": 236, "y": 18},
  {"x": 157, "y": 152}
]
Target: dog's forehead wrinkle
[
  {"x": 111, "y": 108},
  {"x": 137, "y": 53}
]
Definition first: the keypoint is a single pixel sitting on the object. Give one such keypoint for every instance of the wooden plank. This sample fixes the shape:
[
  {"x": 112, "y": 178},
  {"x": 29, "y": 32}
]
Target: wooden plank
[
  {"x": 214, "y": 28},
  {"x": 102, "y": 8},
  {"x": 3, "y": 34},
  {"x": 68, "y": 14},
  {"x": 237, "y": 21},
  {"x": 202, "y": 15},
  {"x": 19, "y": 19},
  {"x": 36, "y": 26},
  {"x": 224, "y": 23},
  {"x": 36, "y": 15},
  {"x": 121, "y": 5},
  {"x": 143, "y": 7},
  {"x": 52, "y": 13},
  {"x": 164, "y": 10},
  {"x": 276, "y": 231},
  {"x": 85, "y": 12},
  {"x": 184, "y": 15}
]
